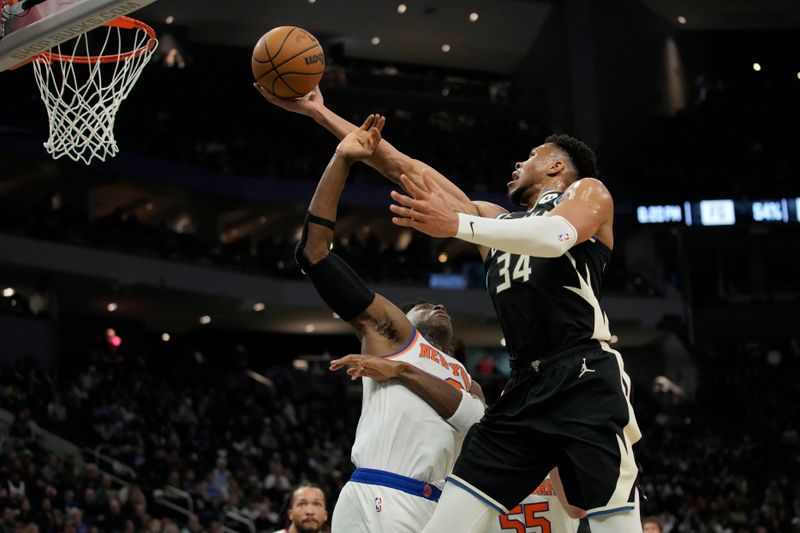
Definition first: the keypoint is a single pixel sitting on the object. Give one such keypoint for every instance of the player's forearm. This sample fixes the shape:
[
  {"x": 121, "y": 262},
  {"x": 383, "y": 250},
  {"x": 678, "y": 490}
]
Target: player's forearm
[
  {"x": 338, "y": 285},
  {"x": 542, "y": 236},
  {"x": 443, "y": 397},
  {"x": 332, "y": 122},
  {"x": 325, "y": 202},
  {"x": 388, "y": 160}
]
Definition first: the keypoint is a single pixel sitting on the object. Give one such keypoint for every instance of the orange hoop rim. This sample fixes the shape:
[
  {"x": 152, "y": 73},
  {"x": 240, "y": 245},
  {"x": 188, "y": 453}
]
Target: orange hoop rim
[{"x": 126, "y": 23}]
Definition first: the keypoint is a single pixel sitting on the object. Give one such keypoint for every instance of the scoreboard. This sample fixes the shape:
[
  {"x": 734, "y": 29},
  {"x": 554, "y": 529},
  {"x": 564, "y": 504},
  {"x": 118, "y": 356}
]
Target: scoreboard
[{"x": 724, "y": 212}]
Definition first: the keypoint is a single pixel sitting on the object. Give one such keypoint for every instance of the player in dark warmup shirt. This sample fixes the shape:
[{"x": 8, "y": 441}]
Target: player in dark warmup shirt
[{"x": 567, "y": 402}]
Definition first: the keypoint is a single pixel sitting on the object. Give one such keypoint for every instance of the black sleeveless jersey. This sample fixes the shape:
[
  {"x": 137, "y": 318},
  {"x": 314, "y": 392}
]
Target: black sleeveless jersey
[{"x": 546, "y": 305}]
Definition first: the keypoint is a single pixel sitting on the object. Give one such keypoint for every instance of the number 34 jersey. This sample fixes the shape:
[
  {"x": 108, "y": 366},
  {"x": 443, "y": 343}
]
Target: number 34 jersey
[
  {"x": 546, "y": 305},
  {"x": 541, "y": 512}
]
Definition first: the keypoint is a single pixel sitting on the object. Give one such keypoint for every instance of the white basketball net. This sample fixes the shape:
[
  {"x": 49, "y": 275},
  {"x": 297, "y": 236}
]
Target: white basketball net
[{"x": 82, "y": 98}]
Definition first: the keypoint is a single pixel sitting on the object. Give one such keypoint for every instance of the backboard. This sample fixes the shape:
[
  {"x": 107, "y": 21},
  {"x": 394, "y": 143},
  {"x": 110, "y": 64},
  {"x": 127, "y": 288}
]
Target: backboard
[{"x": 30, "y": 27}]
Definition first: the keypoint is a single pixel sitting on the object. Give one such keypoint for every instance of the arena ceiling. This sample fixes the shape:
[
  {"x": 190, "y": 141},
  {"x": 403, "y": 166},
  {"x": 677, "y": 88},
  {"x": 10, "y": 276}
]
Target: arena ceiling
[
  {"x": 729, "y": 14},
  {"x": 496, "y": 42}
]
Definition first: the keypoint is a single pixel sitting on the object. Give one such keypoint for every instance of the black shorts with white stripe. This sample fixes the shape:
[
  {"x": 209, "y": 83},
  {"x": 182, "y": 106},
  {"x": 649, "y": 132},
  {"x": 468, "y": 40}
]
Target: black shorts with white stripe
[{"x": 571, "y": 411}]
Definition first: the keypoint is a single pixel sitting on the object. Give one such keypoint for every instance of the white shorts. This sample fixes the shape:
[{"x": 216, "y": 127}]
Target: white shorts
[{"x": 376, "y": 509}]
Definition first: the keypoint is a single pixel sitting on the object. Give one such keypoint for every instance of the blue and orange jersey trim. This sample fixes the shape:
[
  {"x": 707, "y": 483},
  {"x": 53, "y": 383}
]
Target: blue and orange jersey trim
[{"x": 404, "y": 350}]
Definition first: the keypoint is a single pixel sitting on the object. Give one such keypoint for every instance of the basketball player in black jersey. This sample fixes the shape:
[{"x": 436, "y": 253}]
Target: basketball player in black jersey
[{"x": 567, "y": 402}]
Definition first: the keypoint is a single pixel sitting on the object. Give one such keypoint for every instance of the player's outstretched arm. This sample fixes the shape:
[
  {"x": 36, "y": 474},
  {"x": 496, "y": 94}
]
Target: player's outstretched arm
[
  {"x": 382, "y": 326},
  {"x": 387, "y": 159},
  {"x": 586, "y": 210},
  {"x": 460, "y": 409}
]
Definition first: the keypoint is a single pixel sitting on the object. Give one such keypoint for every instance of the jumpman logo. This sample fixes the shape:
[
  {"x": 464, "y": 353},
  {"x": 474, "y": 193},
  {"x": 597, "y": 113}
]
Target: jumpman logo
[{"x": 584, "y": 369}]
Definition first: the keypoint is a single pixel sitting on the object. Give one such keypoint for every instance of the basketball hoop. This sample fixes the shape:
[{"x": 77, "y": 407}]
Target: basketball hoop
[{"x": 83, "y": 90}]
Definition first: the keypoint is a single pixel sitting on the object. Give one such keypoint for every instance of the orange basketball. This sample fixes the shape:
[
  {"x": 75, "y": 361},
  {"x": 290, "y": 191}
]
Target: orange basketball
[{"x": 288, "y": 62}]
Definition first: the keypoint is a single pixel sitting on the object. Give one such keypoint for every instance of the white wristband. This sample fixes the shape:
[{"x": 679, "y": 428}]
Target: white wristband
[
  {"x": 540, "y": 236},
  {"x": 469, "y": 412}
]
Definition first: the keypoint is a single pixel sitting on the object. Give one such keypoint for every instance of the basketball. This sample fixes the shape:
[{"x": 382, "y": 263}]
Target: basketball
[{"x": 288, "y": 62}]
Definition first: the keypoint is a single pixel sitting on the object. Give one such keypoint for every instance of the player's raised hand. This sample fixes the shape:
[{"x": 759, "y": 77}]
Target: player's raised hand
[
  {"x": 306, "y": 105},
  {"x": 362, "y": 142},
  {"x": 424, "y": 210},
  {"x": 367, "y": 366}
]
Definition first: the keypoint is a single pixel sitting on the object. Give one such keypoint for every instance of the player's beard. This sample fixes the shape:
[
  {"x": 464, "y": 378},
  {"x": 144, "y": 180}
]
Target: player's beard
[
  {"x": 307, "y": 527},
  {"x": 517, "y": 195}
]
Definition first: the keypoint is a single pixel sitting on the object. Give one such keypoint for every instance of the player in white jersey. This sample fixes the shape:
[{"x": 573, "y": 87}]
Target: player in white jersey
[{"x": 411, "y": 428}]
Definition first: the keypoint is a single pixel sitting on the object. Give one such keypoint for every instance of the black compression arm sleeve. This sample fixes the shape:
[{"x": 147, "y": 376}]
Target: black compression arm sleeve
[{"x": 340, "y": 287}]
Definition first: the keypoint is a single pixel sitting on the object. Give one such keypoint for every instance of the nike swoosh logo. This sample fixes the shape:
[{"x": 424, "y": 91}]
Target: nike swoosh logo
[{"x": 472, "y": 228}]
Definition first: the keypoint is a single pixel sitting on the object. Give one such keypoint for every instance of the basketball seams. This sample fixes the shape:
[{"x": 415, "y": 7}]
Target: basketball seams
[
  {"x": 298, "y": 54},
  {"x": 269, "y": 56},
  {"x": 280, "y": 78},
  {"x": 275, "y": 67},
  {"x": 283, "y": 43},
  {"x": 275, "y": 70}
]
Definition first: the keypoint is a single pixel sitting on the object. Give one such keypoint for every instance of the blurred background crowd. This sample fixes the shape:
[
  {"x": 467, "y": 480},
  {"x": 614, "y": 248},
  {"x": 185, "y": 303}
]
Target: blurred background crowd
[{"x": 163, "y": 363}]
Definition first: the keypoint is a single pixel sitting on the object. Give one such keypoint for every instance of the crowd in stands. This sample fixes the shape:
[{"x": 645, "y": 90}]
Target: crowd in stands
[
  {"x": 726, "y": 460},
  {"x": 189, "y": 421},
  {"x": 723, "y": 460}
]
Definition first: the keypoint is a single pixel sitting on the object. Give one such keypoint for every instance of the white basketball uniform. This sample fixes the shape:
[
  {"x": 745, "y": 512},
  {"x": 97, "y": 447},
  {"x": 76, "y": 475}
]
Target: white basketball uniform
[
  {"x": 402, "y": 452},
  {"x": 540, "y": 512}
]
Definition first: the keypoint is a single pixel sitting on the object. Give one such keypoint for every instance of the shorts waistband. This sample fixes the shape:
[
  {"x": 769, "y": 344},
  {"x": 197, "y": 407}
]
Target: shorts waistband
[
  {"x": 540, "y": 363},
  {"x": 408, "y": 485}
]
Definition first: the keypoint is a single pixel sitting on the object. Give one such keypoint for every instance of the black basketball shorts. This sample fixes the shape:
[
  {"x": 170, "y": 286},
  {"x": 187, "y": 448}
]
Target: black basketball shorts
[{"x": 571, "y": 411}]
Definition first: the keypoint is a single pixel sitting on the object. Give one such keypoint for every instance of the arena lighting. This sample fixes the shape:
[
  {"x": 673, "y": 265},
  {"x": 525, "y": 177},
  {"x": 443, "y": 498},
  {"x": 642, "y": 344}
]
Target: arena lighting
[
  {"x": 473, "y": 17},
  {"x": 309, "y": 328},
  {"x": 757, "y": 67},
  {"x": 375, "y": 40},
  {"x": 205, "y": 319},
  {"x": 445, "y": 48},
  {"x": 165, "y": 337},
  {"x": 443, "y": 257},
  {"x": 401, "y": 8},
  {"x": 258, "y": 307},
  {"x": 681, "y": 19},
  {"x": 8, "y": 292},
  {"x": 170, "y": 19},
  {"x": 112, "y": 307},
  {"x": 261, "y": 379}
]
